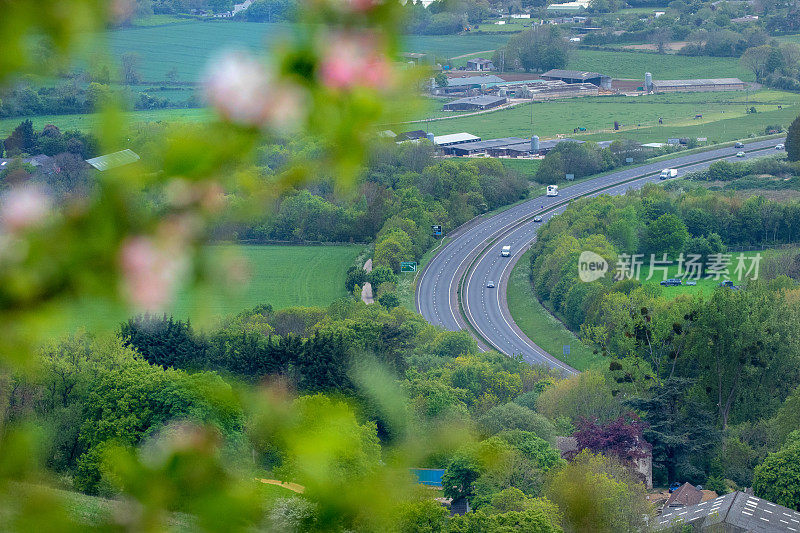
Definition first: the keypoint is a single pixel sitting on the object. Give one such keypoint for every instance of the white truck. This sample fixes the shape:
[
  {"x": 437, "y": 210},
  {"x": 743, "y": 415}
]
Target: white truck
[
  {"x": 552, "y": 190},
  {"x": 668, "y": 173},
  {"x": 506, "y": 251}
]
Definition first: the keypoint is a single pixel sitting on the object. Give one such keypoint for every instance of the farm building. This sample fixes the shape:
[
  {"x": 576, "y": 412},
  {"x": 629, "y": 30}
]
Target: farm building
[
  {"x": 475, "y": 103},
  {"x": 454, "y": 138},
  {"x": 479, "y": 64},
  {"x": 713, "y": 84},
  {"x": 467, "y": 83},
  {"x": 411, "y": 136},
  {"x": 481, "y": 147},
  {"x": 577, "y": 76}
]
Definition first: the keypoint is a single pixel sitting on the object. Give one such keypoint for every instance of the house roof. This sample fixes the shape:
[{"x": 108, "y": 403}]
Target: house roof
[
  {"x": 740, "y": 510},
  {"x": 491, "y": 143},
  {"x": 572, "y": 74},
  {"x": 480, "y": 61},
  {"x": 686, "y": 494},
  {"x": 474, "y": 80}
]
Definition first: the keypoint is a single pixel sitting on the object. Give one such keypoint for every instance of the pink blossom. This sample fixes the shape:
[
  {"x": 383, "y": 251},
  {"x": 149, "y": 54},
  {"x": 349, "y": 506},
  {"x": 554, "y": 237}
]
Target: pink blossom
[
  {"x": 150, "y": 272},
  {"x": 362, "y": 6},
  {"x": 244, "y": 92},
  {"x": 23, "y": 207},
  {"x": 351, "y": 60}
]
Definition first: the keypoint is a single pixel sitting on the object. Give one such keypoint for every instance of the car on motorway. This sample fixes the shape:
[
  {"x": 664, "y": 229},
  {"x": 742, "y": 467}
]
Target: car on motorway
[
  {"x": 740, "y": 154},
  {"x": 490, "y": 284},
  {"x": 779, "y": 146},
  {"x": 537, "y": 218},
  {"x": 738, "y": 145},
  {"x": 506, "y": 251}
]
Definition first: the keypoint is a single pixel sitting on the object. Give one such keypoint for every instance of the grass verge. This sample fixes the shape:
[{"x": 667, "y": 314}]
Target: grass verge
[{"x": 539, "y": 325}]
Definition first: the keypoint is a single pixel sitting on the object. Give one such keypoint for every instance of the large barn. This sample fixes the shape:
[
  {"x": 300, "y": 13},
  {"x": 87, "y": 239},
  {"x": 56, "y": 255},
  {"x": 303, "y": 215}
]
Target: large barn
[
  {"x": 577, "y": 76},
  {"x": 474, "y": 103},
  {"x": 701, "y": 85}
]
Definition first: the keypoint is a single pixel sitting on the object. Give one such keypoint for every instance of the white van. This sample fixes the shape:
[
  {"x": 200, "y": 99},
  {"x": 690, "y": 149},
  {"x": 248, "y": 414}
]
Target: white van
[
  {"x": 506, "y": 251},
  {"x": 552, "y": 190},
  {"x": 668, "y": 173}
]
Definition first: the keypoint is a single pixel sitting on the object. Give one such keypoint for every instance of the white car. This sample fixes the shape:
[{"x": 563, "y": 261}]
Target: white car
[
  {"x": 537, "y": 218},
  {"x": 490, "y": 285},
  {"x": 779, "y": 146},
  {"x": 741, "y": 154}
]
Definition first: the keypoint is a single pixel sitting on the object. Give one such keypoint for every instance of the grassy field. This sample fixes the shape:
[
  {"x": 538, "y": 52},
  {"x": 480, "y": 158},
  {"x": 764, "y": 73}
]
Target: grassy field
[
  {"x": 526, "y": 167},
  {"x": 723, "y": 115},
  {"x": 663, "y": 66},
  {"x": 539, "y": 325},
  {"x": 176, "y": 44},
  {"x": 282, "y": 276},
  {"x": 89, "y": 122},
  {"x": 705, "y": 284}
]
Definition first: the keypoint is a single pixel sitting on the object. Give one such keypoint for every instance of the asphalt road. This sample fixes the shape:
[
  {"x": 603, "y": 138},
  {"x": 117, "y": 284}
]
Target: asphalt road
[{"x": 472, "y": 258}]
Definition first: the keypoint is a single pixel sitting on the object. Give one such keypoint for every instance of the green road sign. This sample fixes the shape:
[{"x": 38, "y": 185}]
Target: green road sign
[{"x": 408, "y": 266}]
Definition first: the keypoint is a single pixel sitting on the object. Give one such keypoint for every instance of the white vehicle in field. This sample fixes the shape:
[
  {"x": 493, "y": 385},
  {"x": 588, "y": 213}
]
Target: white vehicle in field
[
  {"x": 552, "y": 190},
  {"x": 668, "y": 173},
  {"x": 506, "y": 251}
]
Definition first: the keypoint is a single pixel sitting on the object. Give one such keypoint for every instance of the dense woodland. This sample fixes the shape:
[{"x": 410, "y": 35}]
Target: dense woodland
[
  {"x": 95, "y": 393},
  {"x": 713, "y": 377}
]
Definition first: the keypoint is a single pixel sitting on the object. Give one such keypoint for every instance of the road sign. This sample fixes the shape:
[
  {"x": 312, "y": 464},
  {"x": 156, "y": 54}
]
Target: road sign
[
  {"x": 570, "y": 177},
  {"x": 566, "y": 349},
  {"x": 408, "y": 266},
  {"x": 629, "y": 160},
  {"x": 437, "y": 230}
]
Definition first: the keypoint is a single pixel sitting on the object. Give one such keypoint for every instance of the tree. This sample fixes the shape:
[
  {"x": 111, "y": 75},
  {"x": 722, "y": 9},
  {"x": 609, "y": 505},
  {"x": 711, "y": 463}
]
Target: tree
[
  {"x": 597, "y": 494},
  {"x": 441, "y": 79},
  {"x": 131, "y": 62},
  {"x": 512, "y": 416},
  {"x": 621, "y": 438},
  {"x": 459, "y": 477},
  {"x": 540, "y": 48},
  {"x": 163, "y": 341},
  {"x": 665, "y": 235},
  {"x": 793, "y": 141},
  {"x": 389, "y": 300},
  {"x": 584, "y": 395},
  {"x": 22, "y": 140},
  {"x": 777, "y": 479}
]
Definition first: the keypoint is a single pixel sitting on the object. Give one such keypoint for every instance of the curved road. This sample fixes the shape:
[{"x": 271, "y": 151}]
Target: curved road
[{"x": 462, "y": 269}]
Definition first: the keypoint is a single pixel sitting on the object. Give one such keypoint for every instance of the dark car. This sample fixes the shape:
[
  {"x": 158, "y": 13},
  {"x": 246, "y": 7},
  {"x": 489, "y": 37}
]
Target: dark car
[{"x": 672, "y": 282}]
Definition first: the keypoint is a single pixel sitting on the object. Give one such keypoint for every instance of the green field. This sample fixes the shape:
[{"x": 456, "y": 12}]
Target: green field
[
  {"x": 539, "y": 325},
  {"x": 633, "y": 65},
  {"x": 188, "y": 46},
  {"x": 282, "y": 276},
  {"x": 723, "y": 116},
  {"x": 705, "y": 284},
  {"x": 90, "y": 121}
]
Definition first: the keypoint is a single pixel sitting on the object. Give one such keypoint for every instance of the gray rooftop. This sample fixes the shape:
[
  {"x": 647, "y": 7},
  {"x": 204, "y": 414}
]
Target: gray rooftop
[
  {"x": 572, "y": 74},
  {"x": 117, "y": 159},
  {"x": 492, "y": 143},
  {"x": 736, "y": 509},
  {"x": 692, "y": 83},
  {"x": 474, "y": 80},
  {"x": 479, "y": 100}
]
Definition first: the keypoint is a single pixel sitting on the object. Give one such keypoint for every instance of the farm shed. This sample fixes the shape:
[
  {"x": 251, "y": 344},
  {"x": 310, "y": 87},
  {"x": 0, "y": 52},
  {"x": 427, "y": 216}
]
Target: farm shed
[
  {"x": 475, "y": 103},
  {"x": 480, "y": 147},
  {"x": 577, "y": 76},
  {"x": 700, "y": 85},
  {"x": 479, "y": 64},
  {"x": 454, "y": 138}
]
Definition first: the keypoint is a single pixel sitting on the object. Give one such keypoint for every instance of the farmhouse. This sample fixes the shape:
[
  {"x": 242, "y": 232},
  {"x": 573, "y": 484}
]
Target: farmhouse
[
  {"x": 701, "y": 85},
  {"x": 479, "y": 64},
  {"x": 475, "y": 103},
  {"x": 576, "y": 76}
]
